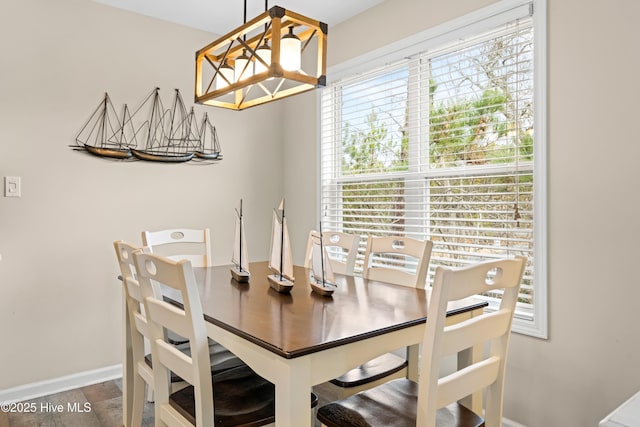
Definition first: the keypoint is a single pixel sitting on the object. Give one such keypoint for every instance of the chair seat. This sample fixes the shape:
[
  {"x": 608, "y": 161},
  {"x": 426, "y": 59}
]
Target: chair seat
[
  {"x": 221, "y": 359},
  {"x": 371, "y": 371},
  {"x": 175, "y": 339},
  {"x": 392, "y": 404},
  {"x": 241, "y": 398}
]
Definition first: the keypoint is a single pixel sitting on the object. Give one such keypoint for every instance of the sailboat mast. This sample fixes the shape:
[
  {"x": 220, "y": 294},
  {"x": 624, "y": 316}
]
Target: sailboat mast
[
  {"x": 153, "y": 110},
  {"x": 240, "y": 256},
  {"x": 282, "y": 242},
  {"x": 124, "y": 118},
  {"x": 104, "y": 121},
  {"x": 173, "y": 115},
  {"x": 322, "y": 253}
]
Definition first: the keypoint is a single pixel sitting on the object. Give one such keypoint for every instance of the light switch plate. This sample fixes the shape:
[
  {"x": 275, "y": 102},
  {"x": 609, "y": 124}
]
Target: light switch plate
[{"x": 12, "y": 187}]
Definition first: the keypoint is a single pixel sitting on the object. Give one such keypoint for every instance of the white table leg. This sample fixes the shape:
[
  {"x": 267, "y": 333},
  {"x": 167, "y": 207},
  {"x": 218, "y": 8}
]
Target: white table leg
[
  {"x": 413, "y": 357},
  {"x": 293, "y": 392}
]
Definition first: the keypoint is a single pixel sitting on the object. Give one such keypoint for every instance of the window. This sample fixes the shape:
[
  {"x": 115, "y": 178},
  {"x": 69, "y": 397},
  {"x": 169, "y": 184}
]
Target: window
[{"x": 443, "y": 144}]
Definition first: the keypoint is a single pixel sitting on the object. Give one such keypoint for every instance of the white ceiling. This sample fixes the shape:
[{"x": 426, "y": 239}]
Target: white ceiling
[{"x": 222, "y": 16}]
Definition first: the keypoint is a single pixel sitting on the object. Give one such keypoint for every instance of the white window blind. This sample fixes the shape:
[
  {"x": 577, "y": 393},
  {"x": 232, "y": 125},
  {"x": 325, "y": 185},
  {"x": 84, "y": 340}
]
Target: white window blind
[{"x": 439, "y": 146}]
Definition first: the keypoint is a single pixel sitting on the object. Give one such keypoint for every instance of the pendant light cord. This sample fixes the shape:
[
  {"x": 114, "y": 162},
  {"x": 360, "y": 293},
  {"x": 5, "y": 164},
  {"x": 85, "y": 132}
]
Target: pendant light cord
[
  {"x": 244, "y": 19},
  {"x": 266, "y": 7}
]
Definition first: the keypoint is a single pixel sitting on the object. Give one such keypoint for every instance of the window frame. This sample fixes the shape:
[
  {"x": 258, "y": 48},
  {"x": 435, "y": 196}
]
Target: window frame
[{"x": 473, "y": 23}]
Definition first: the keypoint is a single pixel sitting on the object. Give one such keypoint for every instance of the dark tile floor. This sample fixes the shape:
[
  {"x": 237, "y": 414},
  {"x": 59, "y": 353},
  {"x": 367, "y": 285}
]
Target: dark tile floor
[{"x": 98, "y": 405}]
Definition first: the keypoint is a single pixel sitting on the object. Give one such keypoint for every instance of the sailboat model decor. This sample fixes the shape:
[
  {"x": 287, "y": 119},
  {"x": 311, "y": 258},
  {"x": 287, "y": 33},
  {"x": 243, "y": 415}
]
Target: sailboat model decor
[
  {"x": 322, "y": 281},
  {"x": 240, "y": 270},
  {"x": 280, "y": 259}
]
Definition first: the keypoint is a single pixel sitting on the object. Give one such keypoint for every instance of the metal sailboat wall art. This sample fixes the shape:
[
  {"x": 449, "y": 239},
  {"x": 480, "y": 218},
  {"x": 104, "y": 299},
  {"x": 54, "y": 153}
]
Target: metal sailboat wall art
[
  {"x": 321, "y": 280},
  {"x": 103, "y": 134},
  {"x": 169, "y": 133},
  {"x": 208, "y": 143},
  {"x": 240, "y": 269},
  {"x": 151, "y": 133},
  {"x": 280, "y": 258}
]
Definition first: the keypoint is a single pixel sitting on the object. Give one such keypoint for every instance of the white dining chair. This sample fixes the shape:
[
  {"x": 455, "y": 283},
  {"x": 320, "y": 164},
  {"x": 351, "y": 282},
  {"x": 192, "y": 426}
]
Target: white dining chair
[
  {"x": 235, "y": 397},
  {"x": 181, "y": 243},
  {"x": 433, "y": 400},
  {"x": 220, "y": 358},
  {"x": 391, "y": 259},
  {"x": 387, "y": 259},
  {"x": 341, "y": 247},
  {"x": 177, "y": 244}
]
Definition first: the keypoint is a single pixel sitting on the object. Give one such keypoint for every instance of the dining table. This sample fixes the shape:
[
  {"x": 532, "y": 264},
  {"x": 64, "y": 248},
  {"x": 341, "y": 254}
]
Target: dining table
[{"x": 301, "y": 339}]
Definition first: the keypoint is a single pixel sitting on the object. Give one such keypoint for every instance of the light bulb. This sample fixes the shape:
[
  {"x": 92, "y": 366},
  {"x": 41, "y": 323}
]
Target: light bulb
[
  {"x": 263, "y": 52},
  {"x": 244, "y": 67},
  {"x": 227, "y": 71},
  {"x": 290, "y": 51}
]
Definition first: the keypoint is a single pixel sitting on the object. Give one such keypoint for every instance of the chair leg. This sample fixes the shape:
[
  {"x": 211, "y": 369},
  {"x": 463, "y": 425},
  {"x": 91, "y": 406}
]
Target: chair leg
[
  {"x": 138, "y": 401},
  {"x": 149, "y": 394}
]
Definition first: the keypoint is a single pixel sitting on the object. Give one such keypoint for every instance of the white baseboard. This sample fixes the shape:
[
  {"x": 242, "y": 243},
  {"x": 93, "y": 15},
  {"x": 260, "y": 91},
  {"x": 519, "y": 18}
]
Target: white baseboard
[
  {"x": 57, "y": 385},
  {"x": 508, "y": 423}
]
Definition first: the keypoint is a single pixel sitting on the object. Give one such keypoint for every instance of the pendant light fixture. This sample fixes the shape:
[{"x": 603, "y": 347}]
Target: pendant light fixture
[
  {"x": 244, "y": 67},
  {"x": 264, "y": 52},
  {"x": 225, "y": 76},
  {"x": 277, "y": 54},
  {"x": 290, "y": 51}
]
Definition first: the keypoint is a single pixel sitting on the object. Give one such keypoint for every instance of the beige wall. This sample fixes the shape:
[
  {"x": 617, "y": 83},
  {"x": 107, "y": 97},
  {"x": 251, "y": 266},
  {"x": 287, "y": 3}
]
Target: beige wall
[
  {"x": 60, "y": 302},
  {"x": 301, "y": 180},
  {"x": 589, "y": 364}
]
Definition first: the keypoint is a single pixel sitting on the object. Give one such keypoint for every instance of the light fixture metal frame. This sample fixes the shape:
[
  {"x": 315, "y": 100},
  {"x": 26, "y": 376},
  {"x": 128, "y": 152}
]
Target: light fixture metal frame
[{"x": 275, "y": 21}]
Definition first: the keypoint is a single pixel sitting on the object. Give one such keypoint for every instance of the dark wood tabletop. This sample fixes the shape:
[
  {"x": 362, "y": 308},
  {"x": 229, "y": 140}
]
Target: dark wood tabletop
[{"x": 303, "y": 322}]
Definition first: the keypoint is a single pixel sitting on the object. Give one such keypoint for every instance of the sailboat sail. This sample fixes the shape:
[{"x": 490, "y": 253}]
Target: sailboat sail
[
  {"x": 274, "y": 257},
  {"x": 190, "y": 133},
  {"x": 239, "y": 257},
  {"x": 240, "y": 270},
  {"x": 281, "y": 259}
]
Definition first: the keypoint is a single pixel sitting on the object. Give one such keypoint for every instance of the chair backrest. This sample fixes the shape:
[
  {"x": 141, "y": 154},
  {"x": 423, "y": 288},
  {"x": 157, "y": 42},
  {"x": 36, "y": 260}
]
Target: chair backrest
[
  {"x": 386, "y": 260},
  {"x": 188, "y": 322},
  {"x": 490, "y": 330},
  {"x": 181, "y": 243},
  {"x": 135, "y": 311},
  {"x": 342, "y": 249}
]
